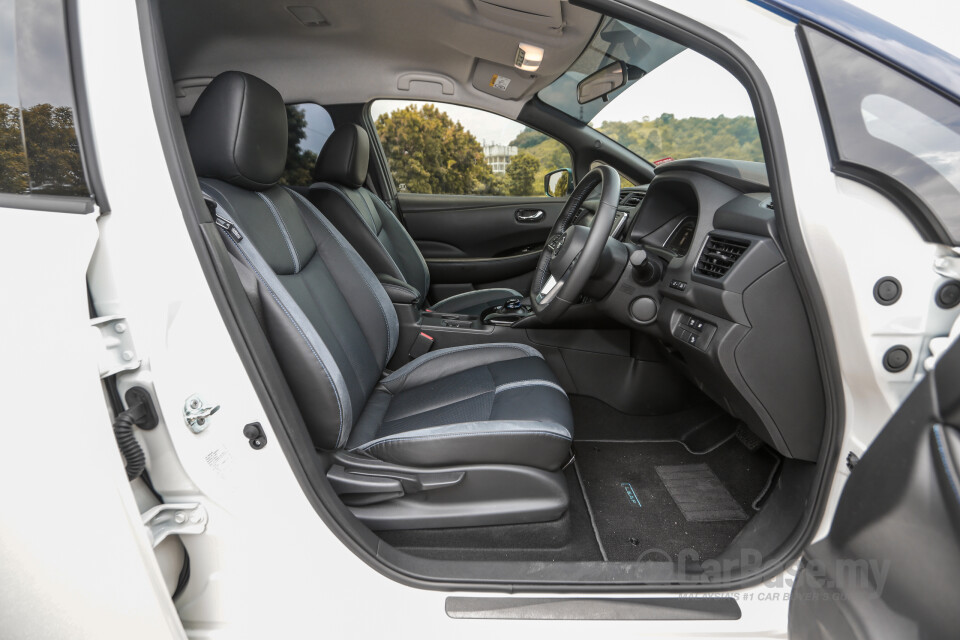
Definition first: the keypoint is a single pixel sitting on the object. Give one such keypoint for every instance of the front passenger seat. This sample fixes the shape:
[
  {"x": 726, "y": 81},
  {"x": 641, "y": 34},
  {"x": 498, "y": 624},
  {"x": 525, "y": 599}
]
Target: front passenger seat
[
  {"x": 374, "y": 231},
  {"x": 452, "y": 437}
]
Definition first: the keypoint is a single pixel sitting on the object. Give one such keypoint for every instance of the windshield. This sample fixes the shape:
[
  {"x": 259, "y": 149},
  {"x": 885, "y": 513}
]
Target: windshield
[{"x": 676, "y": 103}]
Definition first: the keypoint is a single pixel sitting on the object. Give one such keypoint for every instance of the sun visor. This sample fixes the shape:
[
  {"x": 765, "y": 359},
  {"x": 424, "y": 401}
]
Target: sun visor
[
  {"x": 498, "y": 80},
  {"x": 546, "y": 14}
]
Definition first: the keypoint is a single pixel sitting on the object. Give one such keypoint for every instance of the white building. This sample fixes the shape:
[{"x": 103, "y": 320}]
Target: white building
[{"x": 498, "y": 156}]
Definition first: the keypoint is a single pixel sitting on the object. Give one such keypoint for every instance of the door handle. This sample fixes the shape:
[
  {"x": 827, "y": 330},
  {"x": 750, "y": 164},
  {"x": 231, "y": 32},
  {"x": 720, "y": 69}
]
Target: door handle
[{"x": 529, "y": 215}]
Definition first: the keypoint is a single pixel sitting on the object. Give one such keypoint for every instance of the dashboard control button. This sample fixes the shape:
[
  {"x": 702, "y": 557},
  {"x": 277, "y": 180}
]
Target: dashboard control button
[
  {"x": 690, "y": 321},
  {"x": 679, "y": 285},
  {"x": 644, "y": 309},
  {"x": 692, "y": 338}
]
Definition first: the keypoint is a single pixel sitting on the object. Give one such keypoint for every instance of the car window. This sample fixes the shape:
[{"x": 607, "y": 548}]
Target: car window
[
  {"x": 39, "y": 148},
  {"x": 625, "y": 182},
  {"x": 890, "y": 131},
  {"x": 673, "y": 102},
  {"x": 308, "y": 127},
  {"x": 452, "y": 150}
]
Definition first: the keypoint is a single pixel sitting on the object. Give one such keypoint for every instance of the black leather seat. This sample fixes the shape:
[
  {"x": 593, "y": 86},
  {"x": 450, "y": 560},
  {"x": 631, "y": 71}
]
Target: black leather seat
[
  {"x": 334, "y": 329},
  {"x": 373, "y": 230}
]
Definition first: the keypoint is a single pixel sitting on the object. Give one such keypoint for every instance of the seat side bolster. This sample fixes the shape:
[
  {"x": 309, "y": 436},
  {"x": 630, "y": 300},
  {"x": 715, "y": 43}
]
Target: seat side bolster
[
  {"x": 528, "y": 443},
  {"x": 476, "y": 429}
]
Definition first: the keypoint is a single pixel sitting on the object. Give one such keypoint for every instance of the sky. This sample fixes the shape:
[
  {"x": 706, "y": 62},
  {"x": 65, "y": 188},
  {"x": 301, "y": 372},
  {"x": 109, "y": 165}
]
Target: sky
[{"x": 40, "y": 53}]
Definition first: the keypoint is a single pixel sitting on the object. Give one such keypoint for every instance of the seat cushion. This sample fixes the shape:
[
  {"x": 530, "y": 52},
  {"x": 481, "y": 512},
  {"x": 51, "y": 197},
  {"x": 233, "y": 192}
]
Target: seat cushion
[
  {"x": 480, "y": 404},
  {"x": 474, "y": 303}
]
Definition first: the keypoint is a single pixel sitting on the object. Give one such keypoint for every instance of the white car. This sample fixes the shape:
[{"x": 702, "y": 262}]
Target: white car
[{"x": 461, "y": 318}]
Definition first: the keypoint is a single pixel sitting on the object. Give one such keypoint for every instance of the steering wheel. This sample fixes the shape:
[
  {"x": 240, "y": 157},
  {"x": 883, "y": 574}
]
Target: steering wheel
[{"x": 572, "y": 252}]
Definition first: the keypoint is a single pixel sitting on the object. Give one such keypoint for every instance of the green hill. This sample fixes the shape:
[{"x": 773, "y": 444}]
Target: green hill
[{"x": 721, "y": 137}]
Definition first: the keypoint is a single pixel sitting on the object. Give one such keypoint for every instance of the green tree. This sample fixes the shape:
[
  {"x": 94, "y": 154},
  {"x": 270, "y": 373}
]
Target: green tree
[
  {"x": 667, "y": 136},
  {"x": 522, "y": 174},
  {"x": 528, "y": 138},
  {"x": 299, "y": 167},
  {"x": 53, "y": 151},
  {"x": 51, "y": 162},
  {"x": 430, "y": 153},
  {"x": 13, "y": 162}
]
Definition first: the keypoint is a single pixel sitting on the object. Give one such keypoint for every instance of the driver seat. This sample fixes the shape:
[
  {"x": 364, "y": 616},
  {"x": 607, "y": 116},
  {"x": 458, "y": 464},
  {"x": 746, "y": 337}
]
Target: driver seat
[
  {"x": 457, "y": 437},
  {"x": 374, "y": 231}
]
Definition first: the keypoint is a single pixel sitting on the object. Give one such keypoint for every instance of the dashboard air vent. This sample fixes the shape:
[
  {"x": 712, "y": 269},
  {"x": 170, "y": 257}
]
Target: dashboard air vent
[
  {"x": 719, "y": 254},
  {"x": 630, "y": 198}
]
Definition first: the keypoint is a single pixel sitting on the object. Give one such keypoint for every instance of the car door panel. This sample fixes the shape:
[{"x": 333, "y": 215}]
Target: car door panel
[
  {"x": 478, "y": 241},
  {"x": 888, "y": 567}
]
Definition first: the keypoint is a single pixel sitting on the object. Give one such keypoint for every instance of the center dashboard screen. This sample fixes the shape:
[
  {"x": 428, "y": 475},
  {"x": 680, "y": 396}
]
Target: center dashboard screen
[{"x": 679, "y": 240}]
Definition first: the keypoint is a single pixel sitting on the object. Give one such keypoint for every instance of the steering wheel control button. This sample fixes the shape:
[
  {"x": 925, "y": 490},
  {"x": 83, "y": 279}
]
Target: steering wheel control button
[
  {"x": 888, "y": 290},
  {"x": 644, "y": 310},
  {"x": 679, "y": 285},
  {"x": 948, "y": 295},
  {"x": 897, "y": 358}
]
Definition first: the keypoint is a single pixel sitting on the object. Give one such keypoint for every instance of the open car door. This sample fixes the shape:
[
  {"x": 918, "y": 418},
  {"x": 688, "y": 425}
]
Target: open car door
[{"x": 889, "y": 567}]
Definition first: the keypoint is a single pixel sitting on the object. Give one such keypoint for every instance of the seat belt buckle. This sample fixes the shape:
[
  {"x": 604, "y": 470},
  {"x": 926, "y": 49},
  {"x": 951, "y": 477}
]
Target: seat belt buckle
[{"x": 420, "y": 346}]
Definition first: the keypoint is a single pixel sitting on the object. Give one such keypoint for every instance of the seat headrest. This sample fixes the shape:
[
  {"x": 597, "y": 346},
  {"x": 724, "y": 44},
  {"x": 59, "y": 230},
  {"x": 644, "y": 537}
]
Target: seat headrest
[
  {"x": 344, "y": 157},
  {"x": 237, "y": 131}
]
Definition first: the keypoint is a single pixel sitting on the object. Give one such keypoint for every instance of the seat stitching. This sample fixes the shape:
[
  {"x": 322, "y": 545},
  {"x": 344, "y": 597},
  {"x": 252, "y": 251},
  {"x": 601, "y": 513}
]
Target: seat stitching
[
  {"x": 283, "y": 308},
  {"x": 354, "y": 258},
  {"x": 283, "y": 231}
]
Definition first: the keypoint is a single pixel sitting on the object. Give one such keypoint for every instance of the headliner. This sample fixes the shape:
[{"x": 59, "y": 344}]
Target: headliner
[{"x": 370, "y": 45}]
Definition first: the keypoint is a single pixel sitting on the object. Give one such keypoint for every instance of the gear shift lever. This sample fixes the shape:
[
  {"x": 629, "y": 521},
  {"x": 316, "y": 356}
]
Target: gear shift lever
[{"x": 511, "y": 304}]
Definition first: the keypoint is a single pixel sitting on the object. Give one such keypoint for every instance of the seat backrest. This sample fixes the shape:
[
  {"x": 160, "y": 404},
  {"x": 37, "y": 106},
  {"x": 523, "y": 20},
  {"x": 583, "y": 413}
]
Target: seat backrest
[
  {"x": 362, "y": 217},
  {"x": 329, "y": 321}
]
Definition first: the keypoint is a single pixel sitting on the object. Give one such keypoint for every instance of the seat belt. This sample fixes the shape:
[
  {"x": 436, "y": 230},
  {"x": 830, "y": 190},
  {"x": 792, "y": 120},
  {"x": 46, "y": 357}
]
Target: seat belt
[{"x": 248, "y": 279}]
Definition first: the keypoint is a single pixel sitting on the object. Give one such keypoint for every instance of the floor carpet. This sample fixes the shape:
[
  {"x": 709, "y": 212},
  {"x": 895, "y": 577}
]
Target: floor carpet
[{"x": 658, "y": 501}]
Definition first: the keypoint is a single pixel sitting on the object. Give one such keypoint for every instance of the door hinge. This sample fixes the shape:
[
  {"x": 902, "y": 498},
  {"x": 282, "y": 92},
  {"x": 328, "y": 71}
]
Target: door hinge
[
  {"x": 196, "y": 414},
  {"x": 118, "y": 353},
  {"x": 174, "y": 520}
]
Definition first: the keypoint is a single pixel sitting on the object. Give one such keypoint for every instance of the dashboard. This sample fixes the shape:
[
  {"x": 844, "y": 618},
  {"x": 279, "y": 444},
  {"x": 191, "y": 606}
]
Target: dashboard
[{"x": 724, "y": 303}]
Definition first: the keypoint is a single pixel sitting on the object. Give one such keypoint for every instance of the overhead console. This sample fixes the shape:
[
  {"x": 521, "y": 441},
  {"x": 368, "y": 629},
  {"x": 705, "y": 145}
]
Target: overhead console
[{"x": 708, "y": 277}]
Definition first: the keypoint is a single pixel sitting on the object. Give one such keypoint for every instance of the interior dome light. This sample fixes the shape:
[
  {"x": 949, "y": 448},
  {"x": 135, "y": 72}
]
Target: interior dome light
[{"x": 529, "y": 57}]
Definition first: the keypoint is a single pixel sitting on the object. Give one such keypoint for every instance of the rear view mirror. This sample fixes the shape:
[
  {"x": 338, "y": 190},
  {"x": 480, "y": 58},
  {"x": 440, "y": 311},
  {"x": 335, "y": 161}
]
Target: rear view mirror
[
  {"x": 557, "y": 184},
  {"x": 601, "y": 82}
]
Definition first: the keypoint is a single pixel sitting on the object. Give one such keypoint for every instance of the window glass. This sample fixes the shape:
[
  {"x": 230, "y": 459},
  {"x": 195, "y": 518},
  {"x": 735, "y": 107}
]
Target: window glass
[
  {"x": 453, "y": 150},
  {"x": 674, "y": 102},
  {"x": 39, "y": 149},
  {"x": 890, "y": 131},
  {"x": 308, "y": 127}
]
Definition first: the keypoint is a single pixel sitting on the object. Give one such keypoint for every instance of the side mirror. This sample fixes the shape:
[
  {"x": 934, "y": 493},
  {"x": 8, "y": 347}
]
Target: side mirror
[
  {"x": 559, "y": 183},
  {"x": 601, "y": 82}
]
